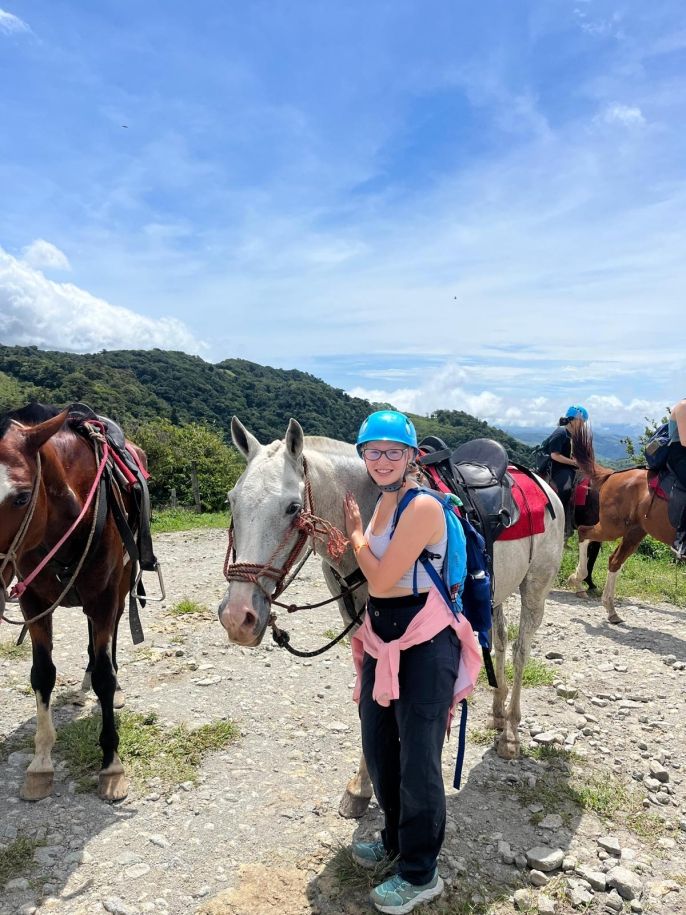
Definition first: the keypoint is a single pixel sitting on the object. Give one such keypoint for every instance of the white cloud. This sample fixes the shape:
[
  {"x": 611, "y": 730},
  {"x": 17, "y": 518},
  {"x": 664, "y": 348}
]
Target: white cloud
[
  {"x": 36, "y": 311},
  {"x": 41, "y": 253},
  {"x": 628, "y": 115},
  {"x": 9, "y": 23}
]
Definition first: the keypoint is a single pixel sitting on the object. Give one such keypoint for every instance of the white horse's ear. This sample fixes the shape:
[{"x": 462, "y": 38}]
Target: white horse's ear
[
  {"x": 294, "y": 439},
  {"x": 245, "y": 441}
]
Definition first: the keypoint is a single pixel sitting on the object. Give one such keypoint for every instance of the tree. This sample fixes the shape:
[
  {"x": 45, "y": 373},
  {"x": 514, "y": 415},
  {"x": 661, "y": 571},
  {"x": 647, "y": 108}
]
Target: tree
[{"x": 171, "y": 452}]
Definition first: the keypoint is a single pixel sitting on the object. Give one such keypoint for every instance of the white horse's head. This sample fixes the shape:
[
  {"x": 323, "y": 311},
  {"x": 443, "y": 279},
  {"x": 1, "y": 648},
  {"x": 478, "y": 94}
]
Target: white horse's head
[{"x": 264, "y": 502}]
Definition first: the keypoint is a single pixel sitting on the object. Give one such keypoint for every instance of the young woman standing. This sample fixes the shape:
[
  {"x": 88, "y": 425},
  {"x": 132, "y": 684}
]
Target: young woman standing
[{"x": 402, "y": 739}]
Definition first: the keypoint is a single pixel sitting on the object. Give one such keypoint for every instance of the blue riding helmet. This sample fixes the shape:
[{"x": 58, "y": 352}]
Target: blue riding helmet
[
  {"x": 387, "y": 426},
  {"x": 577, "y": 412}
]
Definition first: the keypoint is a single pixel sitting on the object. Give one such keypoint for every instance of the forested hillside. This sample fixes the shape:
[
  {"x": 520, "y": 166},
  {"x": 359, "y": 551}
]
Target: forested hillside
[{"x": 134, "y": 386}]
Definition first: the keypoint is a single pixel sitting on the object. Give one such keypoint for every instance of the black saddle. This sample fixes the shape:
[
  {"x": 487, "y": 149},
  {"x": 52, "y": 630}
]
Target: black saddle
[
  {"x": 477, "y": 472},
  {"x": 81, "y": 413},
  {"x": 676, "y": 493}
]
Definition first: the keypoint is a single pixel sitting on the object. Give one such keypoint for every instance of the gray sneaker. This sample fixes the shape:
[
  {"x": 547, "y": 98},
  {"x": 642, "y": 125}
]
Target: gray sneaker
[
  {"x": 396, "y": 896},
  {"x": 368, "y": 854}
]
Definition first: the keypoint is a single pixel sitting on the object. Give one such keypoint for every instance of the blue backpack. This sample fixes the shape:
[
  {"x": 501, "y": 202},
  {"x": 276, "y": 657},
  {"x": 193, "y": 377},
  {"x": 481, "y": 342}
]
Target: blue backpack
[
  {"x": 466, "y": 580},
  {"x": 656, "y": 448},
  {"x": 465, "y": 584}
]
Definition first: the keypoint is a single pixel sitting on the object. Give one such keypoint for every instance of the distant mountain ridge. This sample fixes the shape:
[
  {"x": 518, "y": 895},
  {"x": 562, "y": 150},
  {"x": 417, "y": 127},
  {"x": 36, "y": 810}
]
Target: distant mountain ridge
[
  {"x": 140, "y": 385},
  {"x": 607, "y": 439}
]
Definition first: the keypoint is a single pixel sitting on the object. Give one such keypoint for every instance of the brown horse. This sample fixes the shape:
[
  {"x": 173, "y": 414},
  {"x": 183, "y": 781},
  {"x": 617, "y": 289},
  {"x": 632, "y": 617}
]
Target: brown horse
[
  {"x": 48, "y": 473},
  {"x": 628, "y": 509}
]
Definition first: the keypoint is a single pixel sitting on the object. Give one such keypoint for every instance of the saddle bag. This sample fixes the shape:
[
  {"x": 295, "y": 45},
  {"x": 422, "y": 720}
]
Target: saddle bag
[{"x": 656, "y": 448}]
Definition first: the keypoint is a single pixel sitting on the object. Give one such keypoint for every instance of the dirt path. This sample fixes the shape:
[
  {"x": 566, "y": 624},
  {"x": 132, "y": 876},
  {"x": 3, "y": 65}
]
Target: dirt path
[{"x": 260, "y": 831}]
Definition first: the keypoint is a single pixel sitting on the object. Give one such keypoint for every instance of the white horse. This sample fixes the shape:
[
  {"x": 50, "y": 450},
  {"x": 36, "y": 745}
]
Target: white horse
[{"x": 272, "y": 492}]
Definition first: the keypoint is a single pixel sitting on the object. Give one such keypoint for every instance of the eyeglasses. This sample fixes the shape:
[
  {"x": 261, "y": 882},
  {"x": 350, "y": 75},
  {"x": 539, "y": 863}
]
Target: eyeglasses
[{"x": 393, "y": 454}]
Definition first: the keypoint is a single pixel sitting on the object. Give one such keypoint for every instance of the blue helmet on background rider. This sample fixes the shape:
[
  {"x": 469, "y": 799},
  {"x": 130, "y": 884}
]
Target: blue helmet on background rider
[
  {"x": 577, "y": 412},
  {"x": 387, "y": 426}
]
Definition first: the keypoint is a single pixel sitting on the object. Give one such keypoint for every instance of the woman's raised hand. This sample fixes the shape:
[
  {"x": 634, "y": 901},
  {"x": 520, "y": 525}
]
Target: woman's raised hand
[{"x": 353, "y": 519}]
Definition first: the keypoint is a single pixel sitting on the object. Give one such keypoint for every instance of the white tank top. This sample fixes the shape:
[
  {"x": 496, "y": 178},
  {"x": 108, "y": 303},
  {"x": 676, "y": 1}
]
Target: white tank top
[{"x": 378, "y": 544}]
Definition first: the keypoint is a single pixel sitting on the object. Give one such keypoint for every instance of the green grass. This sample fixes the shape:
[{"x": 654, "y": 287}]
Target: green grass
[
  {"x": 11, "y": 652},
  {"x": 550, "y": 753},
  {"x": 512, "y": 632},
  {"x": 650, "y": 574},
  {"x": 16, "y": 859},
  {"x": 350, "y": 876},
  {"x": 331, "y": 634},
  {"x": 536, "y": 673},
  {"x": 183, "y": 519},
  {"x": 187, "y": 607},
  {"x": 482, "y": 737},
  {"x": 146, "y": 748}
]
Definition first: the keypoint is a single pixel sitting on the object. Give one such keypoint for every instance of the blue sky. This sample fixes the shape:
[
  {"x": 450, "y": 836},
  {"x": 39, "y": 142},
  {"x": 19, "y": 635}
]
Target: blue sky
[{"x": 440, "y": 204}]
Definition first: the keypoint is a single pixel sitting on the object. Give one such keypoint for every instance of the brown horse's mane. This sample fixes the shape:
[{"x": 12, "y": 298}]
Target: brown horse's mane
[
  {"x": 30, "y": 415},
  {"x": 584, "y": 455}
]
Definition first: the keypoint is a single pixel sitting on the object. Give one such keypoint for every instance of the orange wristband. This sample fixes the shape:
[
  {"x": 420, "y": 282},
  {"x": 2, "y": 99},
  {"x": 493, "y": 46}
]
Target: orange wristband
[{"x": 356, "y": 549}]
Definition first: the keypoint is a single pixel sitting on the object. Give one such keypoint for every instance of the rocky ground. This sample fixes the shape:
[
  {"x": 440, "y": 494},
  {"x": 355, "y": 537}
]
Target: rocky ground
[{"x": 593, "y": 818}]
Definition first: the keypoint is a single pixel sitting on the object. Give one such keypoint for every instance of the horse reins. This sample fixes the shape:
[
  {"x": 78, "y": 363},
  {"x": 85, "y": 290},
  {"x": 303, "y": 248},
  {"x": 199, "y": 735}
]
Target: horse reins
[
  {"x": 306, "y": 524},
  {"x": 96, "y": 433}
]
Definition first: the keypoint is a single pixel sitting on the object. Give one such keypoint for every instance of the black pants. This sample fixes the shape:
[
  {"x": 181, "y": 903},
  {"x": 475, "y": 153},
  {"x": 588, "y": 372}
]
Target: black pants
[
  {"x": 402, "y": 743},
  {"x": 562, "y": 481},
  {"x": 676, "y": 461}
]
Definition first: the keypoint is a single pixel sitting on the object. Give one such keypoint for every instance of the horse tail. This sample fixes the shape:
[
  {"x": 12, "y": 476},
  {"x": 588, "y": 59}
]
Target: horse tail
[{"x": 582, "y": 449}]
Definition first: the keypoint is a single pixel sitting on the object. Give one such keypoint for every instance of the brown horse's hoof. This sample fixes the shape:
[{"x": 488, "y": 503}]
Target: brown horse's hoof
[
  {"x": 584, "y": 595},
  {"x": 507, "y": 748},
  {"x": 37, "y": 785},
  {"x": 614, "y": 617},
  {"x": 112, "y": 786},
  {"x": 119, "y": 700},
  {"x": 353, "y": 806}
]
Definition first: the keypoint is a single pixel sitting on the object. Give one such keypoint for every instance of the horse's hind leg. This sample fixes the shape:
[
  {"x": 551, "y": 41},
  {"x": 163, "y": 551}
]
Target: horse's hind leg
[
  {"x": 578, "y": 576},
  {"x": 86, "y": 682},
  {"x": 38, "y": 781},
  {"x": 119, "y": 700},
  {"x": 119, "y": 697},
  {"x": 112, "y": 783},
  {"x": 533, "y": 593},
  {"x": 626, "y": 548},
  {"x": 593, "y": 553},
  {"x": 500, "y": 644}
]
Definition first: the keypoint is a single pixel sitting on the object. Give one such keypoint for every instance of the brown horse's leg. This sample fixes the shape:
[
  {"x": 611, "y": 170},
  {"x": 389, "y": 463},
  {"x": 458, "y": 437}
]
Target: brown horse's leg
[
  {"x": 119, "y": 700},
  {"x": 626, "y": 548},
  {"x": 357, "y": 794},
  {"x": 38, "y": 781},
  {"x": 112, "y": 783},
  {"x": 500, "y": 644}
]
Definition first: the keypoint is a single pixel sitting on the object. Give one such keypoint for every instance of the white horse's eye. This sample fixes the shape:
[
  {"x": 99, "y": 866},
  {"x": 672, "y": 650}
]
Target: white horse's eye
[{"x": 293, "y": 508}]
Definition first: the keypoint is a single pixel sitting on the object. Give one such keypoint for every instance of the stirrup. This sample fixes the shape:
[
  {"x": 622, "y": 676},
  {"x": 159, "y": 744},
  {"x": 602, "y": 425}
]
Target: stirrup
[{"x": 155, "y": 600}]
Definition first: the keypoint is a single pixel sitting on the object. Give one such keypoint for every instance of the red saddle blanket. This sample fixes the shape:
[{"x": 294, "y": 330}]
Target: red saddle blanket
[
  {"x": 654, "y": 484},
  {"x": 532, "y": 502}
]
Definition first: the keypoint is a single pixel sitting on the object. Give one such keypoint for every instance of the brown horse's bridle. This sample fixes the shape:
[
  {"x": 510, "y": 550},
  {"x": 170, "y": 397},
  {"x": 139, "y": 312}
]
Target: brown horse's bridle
[
  {"x": 305, "y": 525},
  {"x": 11, "y": 557},
  {"x": 101, "y": 448}
]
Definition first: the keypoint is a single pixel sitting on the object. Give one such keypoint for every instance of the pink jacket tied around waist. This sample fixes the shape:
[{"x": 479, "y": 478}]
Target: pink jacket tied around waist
[{"x": 434, "y": 616}]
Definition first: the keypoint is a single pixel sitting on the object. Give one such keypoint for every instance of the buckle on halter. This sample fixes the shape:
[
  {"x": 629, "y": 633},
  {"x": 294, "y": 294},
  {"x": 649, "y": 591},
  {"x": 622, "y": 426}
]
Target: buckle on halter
[{"x": 134, "y": 589}]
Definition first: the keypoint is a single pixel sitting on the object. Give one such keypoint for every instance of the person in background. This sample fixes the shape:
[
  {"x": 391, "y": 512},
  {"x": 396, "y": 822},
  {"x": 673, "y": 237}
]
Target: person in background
[
  {"x": 564, "y": 467},
  {"x": 676, "y": 461}
]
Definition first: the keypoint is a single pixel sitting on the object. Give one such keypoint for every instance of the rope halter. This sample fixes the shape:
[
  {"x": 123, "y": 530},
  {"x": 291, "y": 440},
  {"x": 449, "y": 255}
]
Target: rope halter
[{"x": 305, "y": 525}]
